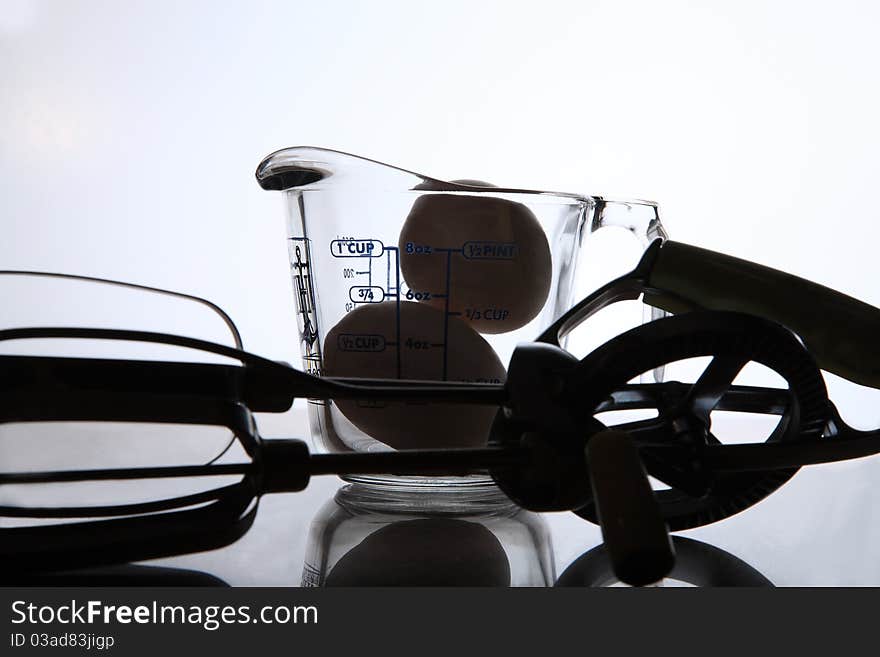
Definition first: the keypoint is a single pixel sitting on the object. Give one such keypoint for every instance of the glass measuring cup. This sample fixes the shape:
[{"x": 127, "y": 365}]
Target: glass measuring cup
[{"x": 400, "y": 275}]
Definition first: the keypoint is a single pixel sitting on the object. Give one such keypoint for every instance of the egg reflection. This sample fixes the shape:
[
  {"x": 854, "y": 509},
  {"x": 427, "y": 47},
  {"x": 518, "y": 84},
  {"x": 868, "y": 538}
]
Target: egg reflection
[{"x": 425, "y": 552}]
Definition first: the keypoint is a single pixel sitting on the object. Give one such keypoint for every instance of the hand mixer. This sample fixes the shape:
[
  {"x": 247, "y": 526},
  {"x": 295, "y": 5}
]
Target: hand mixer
[{"x": 546, "y": 449}]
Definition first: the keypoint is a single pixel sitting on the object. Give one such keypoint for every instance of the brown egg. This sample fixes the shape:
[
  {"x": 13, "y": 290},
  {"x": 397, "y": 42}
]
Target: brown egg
[
  {"x": 365, "y": 344},
  {"x": 485, "y": 258}
]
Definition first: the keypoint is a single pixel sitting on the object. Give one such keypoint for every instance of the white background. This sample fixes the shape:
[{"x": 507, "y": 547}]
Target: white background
[{"x": 129, "y": 133}]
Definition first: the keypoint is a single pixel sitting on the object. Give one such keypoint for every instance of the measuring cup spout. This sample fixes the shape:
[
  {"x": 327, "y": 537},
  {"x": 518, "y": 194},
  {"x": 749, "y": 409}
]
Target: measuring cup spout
[{"x": 307, "y": 166}]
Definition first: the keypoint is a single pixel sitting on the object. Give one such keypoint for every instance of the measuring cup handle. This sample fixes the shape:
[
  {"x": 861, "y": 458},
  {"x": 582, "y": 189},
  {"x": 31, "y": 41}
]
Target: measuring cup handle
[{"x": 642, "y": 219}]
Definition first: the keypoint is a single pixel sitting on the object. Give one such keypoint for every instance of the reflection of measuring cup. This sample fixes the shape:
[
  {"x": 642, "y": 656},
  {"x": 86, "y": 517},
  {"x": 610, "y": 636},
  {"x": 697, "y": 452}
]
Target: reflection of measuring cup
[{"x": 397, "y": 275}]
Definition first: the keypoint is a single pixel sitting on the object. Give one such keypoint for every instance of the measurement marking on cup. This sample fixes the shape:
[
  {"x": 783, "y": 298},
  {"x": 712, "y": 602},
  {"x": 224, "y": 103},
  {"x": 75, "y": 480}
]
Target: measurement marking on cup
[
  {"x": 487, "y": 314},
  {"x": 417, "y": 295},
  {"x": 349, "y": 247},
  {"x": 352, "y": 248},
  {"x": 362, "y": 342},
  {"x": 366, "y": 294},
  {"x": 490, "y": 250},
  {"x": 446, "y": 295},
  {"x": 305, "y": 297},
  {"x": 396, "y": 300},
  {"x": 446, "y": 315},
  {"x": 302, "y": 281}
]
